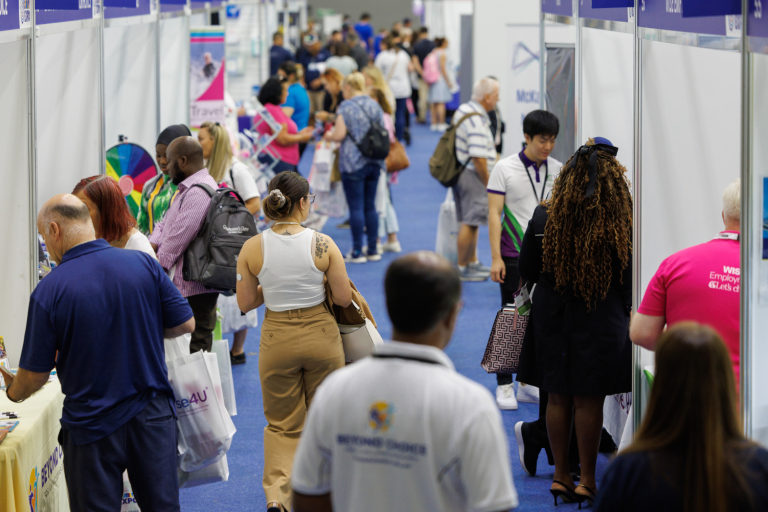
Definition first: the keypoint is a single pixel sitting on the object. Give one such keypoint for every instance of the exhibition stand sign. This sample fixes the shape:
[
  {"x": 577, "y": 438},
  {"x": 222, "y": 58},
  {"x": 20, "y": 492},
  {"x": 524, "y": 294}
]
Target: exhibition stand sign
[
  {"x": 59, "y": 11},
  {"x": 668, "y": 15},
  {"x": 9, "y": 15},
  {"x": 126, "y": 8},
  {"x": 591, "y": 9},
  {"x": 557, "y": 7},
  {"x": 757, "y": 27},
  {"x": 206, "y": 76}
]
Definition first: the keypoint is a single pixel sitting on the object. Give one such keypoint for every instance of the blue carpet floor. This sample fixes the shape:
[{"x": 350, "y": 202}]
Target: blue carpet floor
[{"x": 417, "y": 200}]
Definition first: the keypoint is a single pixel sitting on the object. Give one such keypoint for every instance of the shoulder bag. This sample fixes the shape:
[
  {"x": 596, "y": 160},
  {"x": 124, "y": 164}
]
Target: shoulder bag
[{"x": 502, "y": 354}]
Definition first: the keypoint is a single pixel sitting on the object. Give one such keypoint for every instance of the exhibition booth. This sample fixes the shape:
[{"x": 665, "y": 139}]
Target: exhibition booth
[{"x": 674, "y": 91}]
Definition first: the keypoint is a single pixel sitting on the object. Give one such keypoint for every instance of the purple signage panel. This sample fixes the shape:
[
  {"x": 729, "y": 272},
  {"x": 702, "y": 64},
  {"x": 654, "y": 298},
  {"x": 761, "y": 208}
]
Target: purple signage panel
[
  {"x": 699, "y": 8},
  {"x": 589, "y": 10},
  {"x": 196, "y": 5},
  {"x": 172, "y": 5},
  {"x": 112, "y": 11},
  {"x": 9, "y": 15},
  {"x": 46, "y": 17},
  {"x": 126, "y": 4},
  {"x": 558, "y": 7},
  {"x": 757, "y": 24},
  {"x": 668, "y": 15},
  {"x": 57, "y": 5},
  {"x": 608, "y": 4}
]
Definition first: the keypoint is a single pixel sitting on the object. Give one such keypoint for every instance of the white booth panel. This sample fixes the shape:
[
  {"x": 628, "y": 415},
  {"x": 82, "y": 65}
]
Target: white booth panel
[
  {"x": 557, "y": 33},
  {"x": 14, "y": 233},
  {"x": 607, "y": 84},
  {"x": 690, "y": 153},
  {"x": 174, "y": 71},
  {"x": 199, "y": 19},
  {"x": 130, "y": 91},
  {"x": 758, "y": 272},
  {"x": 68, "y": 116}
]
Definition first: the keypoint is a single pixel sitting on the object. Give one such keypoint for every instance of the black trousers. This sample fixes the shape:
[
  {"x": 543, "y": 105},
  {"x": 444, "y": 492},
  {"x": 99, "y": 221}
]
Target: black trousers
[
  {"x": 145, "y": 446},
  {"x": 415, "y": 101},
  {"x": 204, "y": 309},
  {"x": 508, "y": 288}
]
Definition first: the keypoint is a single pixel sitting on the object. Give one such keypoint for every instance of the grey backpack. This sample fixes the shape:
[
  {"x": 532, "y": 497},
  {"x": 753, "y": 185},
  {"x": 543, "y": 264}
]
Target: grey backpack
[{"x": 211, "y": 258}]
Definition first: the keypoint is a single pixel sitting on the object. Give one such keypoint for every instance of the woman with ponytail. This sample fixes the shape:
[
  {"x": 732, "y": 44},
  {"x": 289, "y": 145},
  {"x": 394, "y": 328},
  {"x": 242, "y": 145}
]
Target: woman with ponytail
[{"x": 285, "y": 268}]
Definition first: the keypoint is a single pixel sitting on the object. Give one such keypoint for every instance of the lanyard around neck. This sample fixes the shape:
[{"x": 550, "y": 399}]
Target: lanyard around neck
[{"x": 544, "y": 186}]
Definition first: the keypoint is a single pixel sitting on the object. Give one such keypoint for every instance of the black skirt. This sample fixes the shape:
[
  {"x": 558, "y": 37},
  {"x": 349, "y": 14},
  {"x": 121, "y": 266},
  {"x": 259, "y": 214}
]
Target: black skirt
[{"x": 571, "y": 350}]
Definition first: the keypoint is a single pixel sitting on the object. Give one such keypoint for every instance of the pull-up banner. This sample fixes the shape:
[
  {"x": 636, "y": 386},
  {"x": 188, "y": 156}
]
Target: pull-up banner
[
  {"x": 558, "y": 7},
  {"x": 206, "y": 79},
  {"x": 668, "y": 15},
  {"x": 699, "y": 8},
  {"x": 597, "y": 10},
  {"x": 9, "y": 15}
]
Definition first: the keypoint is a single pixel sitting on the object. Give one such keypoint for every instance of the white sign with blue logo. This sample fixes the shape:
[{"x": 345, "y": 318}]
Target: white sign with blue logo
[{"x": 523, "y": 65}]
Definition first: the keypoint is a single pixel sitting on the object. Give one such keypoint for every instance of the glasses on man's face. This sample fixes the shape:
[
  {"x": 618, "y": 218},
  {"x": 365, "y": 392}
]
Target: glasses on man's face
[{"x": 311, "y": 198}]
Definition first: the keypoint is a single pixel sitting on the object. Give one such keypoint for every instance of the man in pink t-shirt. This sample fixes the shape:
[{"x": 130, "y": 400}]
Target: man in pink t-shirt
[{"x": 699, "y": 284}]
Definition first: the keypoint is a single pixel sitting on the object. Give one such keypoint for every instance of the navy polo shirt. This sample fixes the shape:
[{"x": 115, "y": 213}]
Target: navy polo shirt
[{"x": 104, "y": 310}]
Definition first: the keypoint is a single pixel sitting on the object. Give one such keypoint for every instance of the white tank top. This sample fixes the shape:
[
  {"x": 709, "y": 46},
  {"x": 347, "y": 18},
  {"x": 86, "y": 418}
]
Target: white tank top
[{"x": 289, "y": 277}]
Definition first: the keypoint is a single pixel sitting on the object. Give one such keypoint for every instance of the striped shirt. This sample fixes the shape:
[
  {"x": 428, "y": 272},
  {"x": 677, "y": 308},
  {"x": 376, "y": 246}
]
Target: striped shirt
[
  {"x": 180, "y": 226},
  {"x": 473, "y": 137}
]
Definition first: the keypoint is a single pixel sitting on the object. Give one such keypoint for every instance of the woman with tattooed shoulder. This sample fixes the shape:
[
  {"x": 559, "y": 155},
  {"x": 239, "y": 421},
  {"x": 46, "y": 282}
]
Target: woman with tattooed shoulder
[{"x": 284, "y": 268}]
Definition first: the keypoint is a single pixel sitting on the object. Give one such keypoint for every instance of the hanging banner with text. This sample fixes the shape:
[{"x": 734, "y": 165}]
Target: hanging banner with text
[
  {"x": 523, "y": 74},
  {"x": 558, "y": 7},
  {"x": 668, "y": 15},
  {"x": 87, "y": 9},
  {"x": 9, "y": 15},
  {"x": 757, "y": 25},
  {"x": 592, "y": 10},
  {"x": 206, "y": 78},
  {"x": 127, "y": 8}
]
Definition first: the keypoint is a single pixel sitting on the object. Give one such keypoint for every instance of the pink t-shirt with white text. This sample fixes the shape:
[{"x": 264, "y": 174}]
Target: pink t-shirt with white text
[{"x": 700, "y": 284}]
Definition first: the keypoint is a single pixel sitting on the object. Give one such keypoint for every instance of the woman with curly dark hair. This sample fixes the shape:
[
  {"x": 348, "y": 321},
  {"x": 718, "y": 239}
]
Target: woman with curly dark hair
[{"x": 578, "y": 251}]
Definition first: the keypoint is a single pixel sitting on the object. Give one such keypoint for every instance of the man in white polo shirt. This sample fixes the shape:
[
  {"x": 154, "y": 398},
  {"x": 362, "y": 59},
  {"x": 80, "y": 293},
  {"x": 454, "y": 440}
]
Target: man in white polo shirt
[
  {"x": 517, "y": 185},
  {"x": 474, "y": 144},
  {"x": 401, "y": 430}
]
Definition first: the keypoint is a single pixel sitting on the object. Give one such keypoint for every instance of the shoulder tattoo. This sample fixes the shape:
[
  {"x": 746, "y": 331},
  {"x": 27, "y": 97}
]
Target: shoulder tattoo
[{"x": 321, "y": 246}]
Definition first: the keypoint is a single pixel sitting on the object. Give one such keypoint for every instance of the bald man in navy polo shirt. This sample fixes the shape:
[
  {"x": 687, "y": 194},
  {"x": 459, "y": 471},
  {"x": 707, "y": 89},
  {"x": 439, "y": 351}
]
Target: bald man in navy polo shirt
[{"x": 105, "y": 311}]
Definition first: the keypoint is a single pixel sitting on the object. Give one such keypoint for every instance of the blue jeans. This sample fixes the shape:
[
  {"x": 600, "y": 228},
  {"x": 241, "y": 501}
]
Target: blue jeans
[
  {"x": 360, "y": 189},
  {"x": 401, "y": 112}
]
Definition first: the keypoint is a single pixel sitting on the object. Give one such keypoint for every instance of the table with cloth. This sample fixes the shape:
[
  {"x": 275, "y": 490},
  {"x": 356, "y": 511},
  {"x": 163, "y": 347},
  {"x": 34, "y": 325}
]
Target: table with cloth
[{"x": 31, "y": 460}]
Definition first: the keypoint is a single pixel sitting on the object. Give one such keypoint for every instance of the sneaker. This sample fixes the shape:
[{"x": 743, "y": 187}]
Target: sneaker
[
  {"x": 441, "y": 127},
  {"x": 374, "y": 257},
  {"x": 391, "y": 247},
  {"x": 477, "y": 266},
  {"x": 433, "y": 127},
  {"x": 237, "y": 359},
  {"x": 343, "y": 225},
  {"x": 527, "y": 447},
  {"x": 470, "y": 275},
  {"x": 505, "y": 397},
  {"x": 526, "y": 393},
  {"x": 355, "y": 257}
]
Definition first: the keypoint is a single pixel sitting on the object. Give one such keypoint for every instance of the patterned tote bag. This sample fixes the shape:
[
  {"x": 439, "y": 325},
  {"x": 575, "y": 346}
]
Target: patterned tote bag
[{"x": 502, "y": 355}]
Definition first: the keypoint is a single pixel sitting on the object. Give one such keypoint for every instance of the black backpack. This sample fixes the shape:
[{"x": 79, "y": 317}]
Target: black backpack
[
  {"x": 211, "y": 258},
  {"x": 375, "y": 142}
]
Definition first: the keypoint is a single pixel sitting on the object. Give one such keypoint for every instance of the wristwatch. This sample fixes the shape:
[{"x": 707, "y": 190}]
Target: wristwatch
[{"x": 7, "y": 389}]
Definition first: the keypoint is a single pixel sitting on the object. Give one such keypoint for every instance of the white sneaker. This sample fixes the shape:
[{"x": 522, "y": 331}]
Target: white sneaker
[
  {"x": 442, "y": 127},
  {"x": 374, "y": 257},
  {"x": 505, "y": 397},
  {"x": 526, "y": 393},
  {"x": 433, "y": 127},
  {"x": 391, "y": 247},
  {"x": 360, "y": 259}
]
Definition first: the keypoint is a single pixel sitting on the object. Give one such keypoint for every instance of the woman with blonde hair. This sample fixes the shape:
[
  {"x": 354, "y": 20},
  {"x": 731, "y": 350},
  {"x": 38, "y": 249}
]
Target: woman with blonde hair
[
  {"x": 284, "y": 268},
  {"x": 690, "y": 453},
  {"x": 359, "y": 174},
  {"x": 578, "y": 251},
  {"x": 228, "y": 170},
  {"x": 374, "y": 78}
]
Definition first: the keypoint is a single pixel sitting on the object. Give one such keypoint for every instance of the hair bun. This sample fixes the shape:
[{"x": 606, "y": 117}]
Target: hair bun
[{"x": 278, "y": 196}]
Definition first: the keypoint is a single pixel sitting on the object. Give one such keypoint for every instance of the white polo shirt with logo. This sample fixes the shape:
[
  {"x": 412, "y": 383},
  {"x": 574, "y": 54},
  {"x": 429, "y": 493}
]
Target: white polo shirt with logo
[
  {"x": 403, "y": 431},
  {"x": 524, "y": 185}
]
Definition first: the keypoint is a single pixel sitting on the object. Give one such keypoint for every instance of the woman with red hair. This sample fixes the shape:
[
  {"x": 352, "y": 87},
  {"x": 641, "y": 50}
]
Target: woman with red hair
[{"x": 112, "y": 220}]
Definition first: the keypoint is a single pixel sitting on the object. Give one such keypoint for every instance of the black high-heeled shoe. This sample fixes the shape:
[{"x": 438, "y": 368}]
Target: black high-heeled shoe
[
  {"x": 568, "y": 495},
  {"x": 589, "y": 497}
]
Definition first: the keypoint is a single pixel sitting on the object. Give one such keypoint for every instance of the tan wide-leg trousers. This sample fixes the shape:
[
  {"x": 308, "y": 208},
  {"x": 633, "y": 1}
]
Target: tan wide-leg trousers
[{"x": 298, "y": 349}]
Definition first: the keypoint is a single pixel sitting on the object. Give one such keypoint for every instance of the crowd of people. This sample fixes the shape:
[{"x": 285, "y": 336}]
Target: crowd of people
[{"x": 561, "y": 232}]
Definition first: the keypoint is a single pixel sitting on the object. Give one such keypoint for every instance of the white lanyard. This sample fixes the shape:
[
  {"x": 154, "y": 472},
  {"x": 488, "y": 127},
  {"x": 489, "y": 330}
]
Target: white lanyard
[{"x": 727, "y": 236}]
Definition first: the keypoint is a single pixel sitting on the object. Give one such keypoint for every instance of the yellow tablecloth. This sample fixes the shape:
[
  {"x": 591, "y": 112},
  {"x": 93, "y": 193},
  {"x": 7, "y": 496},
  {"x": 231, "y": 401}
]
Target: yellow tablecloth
[{"x": 31, "y": 460}]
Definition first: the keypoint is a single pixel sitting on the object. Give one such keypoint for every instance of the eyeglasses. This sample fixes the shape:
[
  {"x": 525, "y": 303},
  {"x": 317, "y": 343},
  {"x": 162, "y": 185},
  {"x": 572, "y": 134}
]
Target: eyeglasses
[{"x": 311, "y": 198}]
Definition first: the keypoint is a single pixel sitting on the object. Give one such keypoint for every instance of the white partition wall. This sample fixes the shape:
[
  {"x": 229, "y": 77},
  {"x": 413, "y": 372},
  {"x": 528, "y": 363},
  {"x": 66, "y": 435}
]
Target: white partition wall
[
  {"x": 757, "y": 272},
  {"x": 14, "y": 208},
  {"x": 607, "y": 80},
  {"x": 130, "y": 87},
  {"x": 69, "y": 120},
  {"x": 174, "y": 71}
]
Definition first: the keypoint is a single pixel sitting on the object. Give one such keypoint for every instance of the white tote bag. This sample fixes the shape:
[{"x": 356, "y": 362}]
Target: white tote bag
[
  {"x": 322, "y": 166},
  {"x": 221, "y": 349},
  {"x": 447, "y": 229},
  {"x": 129, "y": 500},
  {"x": 218, "y": 472},
  {"x": 205, "y": 429},
  {"x": 359, "y": 340},
  {"x": 177, "y": 347},
  {"x": 382, "y": 193}
]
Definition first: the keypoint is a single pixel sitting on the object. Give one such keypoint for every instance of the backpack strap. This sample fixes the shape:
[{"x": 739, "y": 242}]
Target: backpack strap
[
  {"x": 373, "y": 122},
  {"x": 211, "y": 192},
  {"x": 463, "y": 118}
]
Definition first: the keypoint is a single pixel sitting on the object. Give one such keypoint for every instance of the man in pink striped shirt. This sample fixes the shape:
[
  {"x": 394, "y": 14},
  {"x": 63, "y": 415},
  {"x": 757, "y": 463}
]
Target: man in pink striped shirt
[{"x": 180, "y": 226}]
